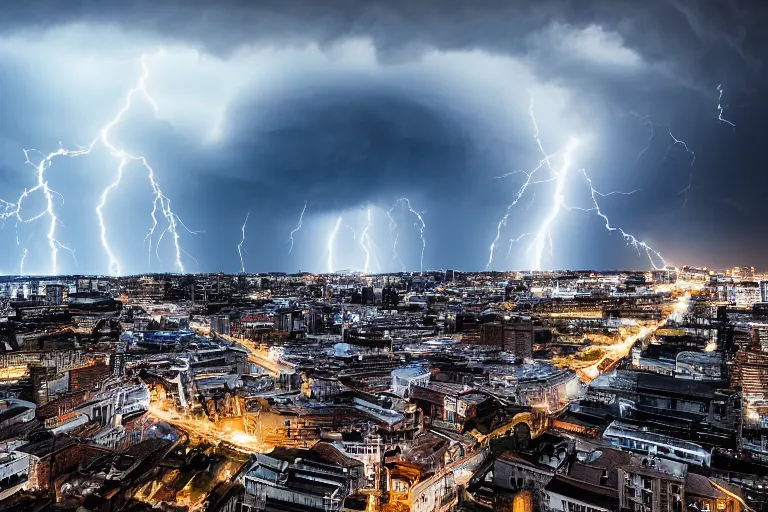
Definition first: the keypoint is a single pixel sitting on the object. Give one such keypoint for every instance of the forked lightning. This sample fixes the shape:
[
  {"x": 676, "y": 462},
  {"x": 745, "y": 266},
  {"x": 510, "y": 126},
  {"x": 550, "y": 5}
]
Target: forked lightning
[
  {"x": 542, "y": 238},
  {"x": 160, "y": 200}
]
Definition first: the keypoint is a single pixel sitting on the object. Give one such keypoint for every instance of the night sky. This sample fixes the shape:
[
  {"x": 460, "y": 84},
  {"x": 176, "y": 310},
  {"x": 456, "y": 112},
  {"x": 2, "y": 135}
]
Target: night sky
[{"x": 348, "y": 106}]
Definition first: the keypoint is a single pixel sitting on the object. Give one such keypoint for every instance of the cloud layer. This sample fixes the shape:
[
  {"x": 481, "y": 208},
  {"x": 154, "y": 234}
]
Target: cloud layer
[{"x": 347, "y": 104}]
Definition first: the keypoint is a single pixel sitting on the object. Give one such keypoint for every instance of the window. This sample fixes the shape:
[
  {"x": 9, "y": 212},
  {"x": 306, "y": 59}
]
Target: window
[
  {"x": 570, "y": 506},
  {"x": 720, "y": 409},
  {"x": 399, "y": 486},
  {"x": 648, "y": 499}
]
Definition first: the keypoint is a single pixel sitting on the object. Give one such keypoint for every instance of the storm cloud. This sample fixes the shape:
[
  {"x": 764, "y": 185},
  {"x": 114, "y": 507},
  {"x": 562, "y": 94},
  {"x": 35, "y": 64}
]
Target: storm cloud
[{"x": 343, "y": 105}]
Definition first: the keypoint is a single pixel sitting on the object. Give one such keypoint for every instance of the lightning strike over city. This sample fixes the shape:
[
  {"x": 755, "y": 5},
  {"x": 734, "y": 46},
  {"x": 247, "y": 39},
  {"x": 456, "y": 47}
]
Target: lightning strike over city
[
  {"x": 336, "y": 364},
  {"x": 365, "y": 241},
  {"x": 297, "y": 228},
  {"x": 242, "y": 241},
  {"x": 394, "y": 230},
  {"x": 159, "y": 198},
  {"x": 238, "y": 133},
  {"x": 331, "y": 242},
  {"x": 543, "y": 236}
]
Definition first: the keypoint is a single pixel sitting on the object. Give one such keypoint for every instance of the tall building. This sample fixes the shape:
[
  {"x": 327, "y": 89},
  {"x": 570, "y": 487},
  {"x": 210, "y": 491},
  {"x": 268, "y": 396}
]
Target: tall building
[
  {"x": 54, "y": 294},
  {"x": 743, "y": 272},
  {"x": 763, "y": 291},
  {"x": 515, "y": 336},
  {"x": 746, "y": 293},
  {"x": 389, "y": 297},
  {"x": 492, "y": 334},
  {"x": 220, "y": 324},
  {"x": 518, "y": 338}
]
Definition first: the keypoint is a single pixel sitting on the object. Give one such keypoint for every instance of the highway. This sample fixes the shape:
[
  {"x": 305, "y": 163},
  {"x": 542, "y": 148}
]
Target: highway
[
  {"x": 206, "y": 429},
  {"x": 258, "y": 357}
]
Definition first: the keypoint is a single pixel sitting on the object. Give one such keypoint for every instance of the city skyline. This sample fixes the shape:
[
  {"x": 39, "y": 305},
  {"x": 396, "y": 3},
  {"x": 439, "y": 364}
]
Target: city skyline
[{"x": 379, "y": 142}]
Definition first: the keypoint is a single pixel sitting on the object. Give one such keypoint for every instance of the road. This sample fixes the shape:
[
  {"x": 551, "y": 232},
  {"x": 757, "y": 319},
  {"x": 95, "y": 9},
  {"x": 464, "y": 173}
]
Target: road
[
  {"x": 207, "y": 430},
  {"x": 258, "y": 357},
  {"x": 589, "y": 371}
]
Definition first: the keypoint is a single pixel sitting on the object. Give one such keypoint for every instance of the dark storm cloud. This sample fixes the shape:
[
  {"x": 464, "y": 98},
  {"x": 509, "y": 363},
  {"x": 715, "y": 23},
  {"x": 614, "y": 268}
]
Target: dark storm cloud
[
  {"x": 339, "y": 148},
  {"x": 351, "y": 141},
  {"x": 703, "y": 38},
  {"x": 695, "y": 44}
]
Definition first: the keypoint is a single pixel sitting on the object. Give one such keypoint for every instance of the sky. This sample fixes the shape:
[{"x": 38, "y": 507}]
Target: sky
[{"x": 191, "y": 136}]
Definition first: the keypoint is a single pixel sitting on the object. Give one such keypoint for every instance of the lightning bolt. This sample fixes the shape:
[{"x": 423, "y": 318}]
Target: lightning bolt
[
  {"x": 160, "y": 200},
  {"x": 720, "y": 108},
  {"x": 297, "y": 228},
  {"x": 15, "y": 209},
  {"x": 21, "y": 264},
  {"x": 557, "y": 203},
  {"x": 331, "y": 239},
  {"x": 513, "y": 241},
  {"x": 543, "y": 236},
  {"x": 678, "y": 142},
  {"x": 675, "y": 142},
  {"x": 393, "y": 227},
  {"x": 529, "y": 180},
  {"x": 653, "y": 255},
  {"x": 366, "y": 242},
  {"x": 114, "y": 265},
  {"x": 394, "y": 235},
  {"x": 242, "y": 241}
]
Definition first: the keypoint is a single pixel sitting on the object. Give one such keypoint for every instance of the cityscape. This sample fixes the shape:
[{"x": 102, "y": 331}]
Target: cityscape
[
  {"x": 425, "y": 391},
  {"x": 383, "y": 256}
]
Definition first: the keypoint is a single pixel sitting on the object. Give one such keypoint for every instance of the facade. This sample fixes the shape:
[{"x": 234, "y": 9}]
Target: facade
[
  {"x": 220, "y": 325},
  {"x": 316, "y": 479},
  {"x": 404, "y": 379},
  {"x": 451, "y": 406},
  {"x": 514, "y": 335},
  {"x": 746, "y": 294},
  {"x": 699, "y": 366},
  {"x": 653, "y": 485}
]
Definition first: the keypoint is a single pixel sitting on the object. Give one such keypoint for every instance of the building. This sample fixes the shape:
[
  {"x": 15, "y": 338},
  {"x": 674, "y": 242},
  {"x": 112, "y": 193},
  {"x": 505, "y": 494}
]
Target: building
[
  {"x": 696, "y": 410},
  {"x": 452, "y": 406},
  {"x": 655, "y": 485},
  {"x": 699, "y": 365},
  {"x": 514, "y": 335},
  {"x": 55, "y": 294},
  {"x": 763, "y": 291},
  {"x": 404, "y": 379},
  {"x": 367, "y": 295},
  {"x": 746, "y": 293},
  {"x": 535, "y": 384},
  {"x": 220, "y": 325},
  {"x": 290, "y": 479}
]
